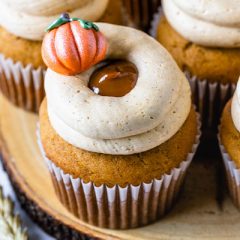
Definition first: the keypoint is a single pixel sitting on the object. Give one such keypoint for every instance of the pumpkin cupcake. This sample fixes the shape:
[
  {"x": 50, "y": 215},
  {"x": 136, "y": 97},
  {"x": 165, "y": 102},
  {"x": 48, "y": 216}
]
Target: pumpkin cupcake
[
  {"x": 113, "y": 123},
  {"x": 229, "y": 138},
  {"x": 21, "y": 31},
  {"x": 203, "y": 37}
]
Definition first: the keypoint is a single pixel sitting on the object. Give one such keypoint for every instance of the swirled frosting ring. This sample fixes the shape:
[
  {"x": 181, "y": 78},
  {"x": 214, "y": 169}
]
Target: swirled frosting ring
[
  {"x": 29, "y": 19},
  {"x": 214, "y": 23},
  {"x": 235, "y": 108},
  {"x": 149, "y": 115}
]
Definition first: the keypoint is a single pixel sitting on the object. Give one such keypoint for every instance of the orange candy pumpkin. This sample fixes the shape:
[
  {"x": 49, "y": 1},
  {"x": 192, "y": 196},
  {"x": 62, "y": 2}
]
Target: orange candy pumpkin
[{"x": 72, "y": 46}]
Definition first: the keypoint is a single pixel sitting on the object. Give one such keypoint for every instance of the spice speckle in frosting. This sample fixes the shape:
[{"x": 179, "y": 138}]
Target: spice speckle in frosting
[
  {"x": 73, "y": 45},
  {"x": 115, "y": 79}
]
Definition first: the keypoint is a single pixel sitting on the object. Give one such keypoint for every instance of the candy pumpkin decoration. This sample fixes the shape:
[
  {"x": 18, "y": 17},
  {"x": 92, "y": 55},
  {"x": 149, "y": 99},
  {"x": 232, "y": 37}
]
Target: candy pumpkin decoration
[{"x": 73, "y": 45}]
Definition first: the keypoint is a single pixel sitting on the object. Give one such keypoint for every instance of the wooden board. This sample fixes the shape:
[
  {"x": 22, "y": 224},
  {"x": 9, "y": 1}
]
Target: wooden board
[{"x": 203, "y": 211}]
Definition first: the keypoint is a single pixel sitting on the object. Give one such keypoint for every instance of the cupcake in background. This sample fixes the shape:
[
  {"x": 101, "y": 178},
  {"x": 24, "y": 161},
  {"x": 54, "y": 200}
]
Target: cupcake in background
[
  {"x": 112, "y": 128},
  {"x": 140, "y": 12},
  {"x": 22, "y": 28},
  {"x": 203, "y": 37},
  {"x": 229, "y": 139}
]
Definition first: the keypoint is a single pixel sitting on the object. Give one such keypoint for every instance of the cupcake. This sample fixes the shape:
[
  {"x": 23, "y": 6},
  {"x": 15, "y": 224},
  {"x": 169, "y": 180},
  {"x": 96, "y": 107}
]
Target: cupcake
[
  {"x": 21, "y": 31},
  {"x": 203, "y": 37},
  {"x": 229, "y": 138},
  {"x": 140, "y": 12},
  {"x": 118, "y": 130}
]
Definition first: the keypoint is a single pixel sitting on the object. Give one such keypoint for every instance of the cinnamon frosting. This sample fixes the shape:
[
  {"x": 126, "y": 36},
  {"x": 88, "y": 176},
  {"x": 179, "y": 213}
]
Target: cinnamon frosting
[
  {"x": 235, "y": 108},
  {"x": 151, "y": 113},
  {"x": 28, "y": 19},
  {"x": 214, "y": 23}
]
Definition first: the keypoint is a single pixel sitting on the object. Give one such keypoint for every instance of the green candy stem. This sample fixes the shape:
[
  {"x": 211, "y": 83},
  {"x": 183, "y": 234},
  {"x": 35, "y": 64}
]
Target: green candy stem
[
  {"x": 64, "y": 18},
  {"x": 86, "y": 24}
]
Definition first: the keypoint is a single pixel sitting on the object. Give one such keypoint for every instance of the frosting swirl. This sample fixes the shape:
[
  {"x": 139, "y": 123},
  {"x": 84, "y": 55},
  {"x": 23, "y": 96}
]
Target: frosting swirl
[
  {"x": 235, "y": 107},
  {"x": 150, "y": 114},
  {"x": 28, "y": 19},
  {"x": 213, "y": 23}
]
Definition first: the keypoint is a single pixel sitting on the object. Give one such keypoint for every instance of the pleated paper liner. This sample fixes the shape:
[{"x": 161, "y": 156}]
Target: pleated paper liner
[
  {"x": 209, "y": 98},
  {"x": 22, "y": 85},
  {"x": 232, "y": 174},
  {"x": 119, "y": 207},
  {"x": 140, "y": 12}
]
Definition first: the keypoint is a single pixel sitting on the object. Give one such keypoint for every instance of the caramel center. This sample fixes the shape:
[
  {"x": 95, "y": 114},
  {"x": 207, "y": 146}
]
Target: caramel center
[{"x": 115, "y": 79}]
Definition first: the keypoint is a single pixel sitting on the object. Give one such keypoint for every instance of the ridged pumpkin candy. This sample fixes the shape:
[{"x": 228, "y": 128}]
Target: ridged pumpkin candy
[{"x": 73, "y": 45}]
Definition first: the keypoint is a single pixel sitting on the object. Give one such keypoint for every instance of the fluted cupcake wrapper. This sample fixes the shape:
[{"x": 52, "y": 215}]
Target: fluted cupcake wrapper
[
  {"x": 22, "y": 85},
  {"x": 119, "y": 207},
  {"x": 232, "y": 174},
  {"x": 209, "y": 98},
  {"x": 140, "y": 12}
]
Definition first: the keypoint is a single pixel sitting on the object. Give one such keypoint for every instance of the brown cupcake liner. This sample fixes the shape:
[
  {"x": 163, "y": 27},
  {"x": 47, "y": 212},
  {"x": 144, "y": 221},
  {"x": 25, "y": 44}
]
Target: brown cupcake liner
[
  {"x": 140, "y": 12},
  {"x": 22, "y": 85},
  {"x": 119, "y": 207},
  {"x": 232, "y": 174},
  {"x": 209, "y": 98}
]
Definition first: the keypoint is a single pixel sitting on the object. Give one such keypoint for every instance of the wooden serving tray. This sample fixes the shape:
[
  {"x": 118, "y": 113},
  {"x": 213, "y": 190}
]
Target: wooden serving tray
[{"x": 203, "y": 211}]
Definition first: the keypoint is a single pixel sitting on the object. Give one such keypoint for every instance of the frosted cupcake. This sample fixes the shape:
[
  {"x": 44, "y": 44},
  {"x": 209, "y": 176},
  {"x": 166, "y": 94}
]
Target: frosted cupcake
[
  {"x": 203, "y": 37},
  {"x": 229, "y": 137},
  {"x": 112, "y": 127},
  {"x": 22, "y": 28}
]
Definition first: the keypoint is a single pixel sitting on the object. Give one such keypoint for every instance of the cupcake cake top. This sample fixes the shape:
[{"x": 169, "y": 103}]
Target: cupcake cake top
[
  {"x": 235, "y": 108},
  {"x": 214, "y": 23},
  {"x": 28, "y": 19},
  {"x": 133, "y": 101}
]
